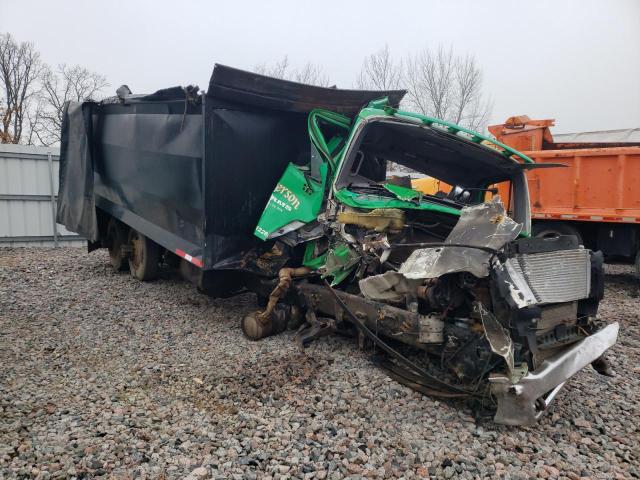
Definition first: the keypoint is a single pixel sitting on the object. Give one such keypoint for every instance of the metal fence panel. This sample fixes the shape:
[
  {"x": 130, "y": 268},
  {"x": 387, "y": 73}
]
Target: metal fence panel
[{"x": 27, "y": 174}]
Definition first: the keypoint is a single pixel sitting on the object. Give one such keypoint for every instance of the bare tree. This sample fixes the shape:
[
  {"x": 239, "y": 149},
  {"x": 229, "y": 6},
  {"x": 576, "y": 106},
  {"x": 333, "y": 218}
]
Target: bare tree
[
  {"x": 310, "y": 73},
  {"x": 275, "y": 70},
  {"x": 430, "y": 81},
  {"x": 67, "y": 83},
  {"x": 447, "y": 86},
  {"x": 5, "y": 137},
  {"x": 20, "y": 71},
  {"x": 380, "y": 72}
]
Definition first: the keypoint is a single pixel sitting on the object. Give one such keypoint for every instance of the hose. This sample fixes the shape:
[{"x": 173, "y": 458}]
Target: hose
[
  {"x": 285, "y": 276},
  {"x": 413, "y": 381}
]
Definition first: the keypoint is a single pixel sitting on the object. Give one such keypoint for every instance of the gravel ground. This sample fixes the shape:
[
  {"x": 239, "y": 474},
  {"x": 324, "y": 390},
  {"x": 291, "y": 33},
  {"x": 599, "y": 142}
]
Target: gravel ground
[{"x": 104, "y": 376}]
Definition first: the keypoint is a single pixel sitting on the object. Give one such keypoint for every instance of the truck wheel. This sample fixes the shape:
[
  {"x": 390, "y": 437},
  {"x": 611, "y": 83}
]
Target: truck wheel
[
  {"x": 555, "y": 229},
  {"x": 638, "y": 265},
  {"x": 144, "y": 260},
  {"x": 117, "y": 237}
]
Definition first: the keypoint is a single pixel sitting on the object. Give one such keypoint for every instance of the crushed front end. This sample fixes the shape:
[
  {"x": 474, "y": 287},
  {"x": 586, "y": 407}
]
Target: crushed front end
[{"x": 448, "y": 284}]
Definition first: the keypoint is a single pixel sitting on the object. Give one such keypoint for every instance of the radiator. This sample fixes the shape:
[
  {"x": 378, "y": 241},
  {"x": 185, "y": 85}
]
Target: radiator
[{"x": 554, "y": 277}]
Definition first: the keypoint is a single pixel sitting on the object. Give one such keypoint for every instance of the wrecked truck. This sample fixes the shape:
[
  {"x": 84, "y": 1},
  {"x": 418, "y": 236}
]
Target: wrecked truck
[{"x": 285, "y": 190}]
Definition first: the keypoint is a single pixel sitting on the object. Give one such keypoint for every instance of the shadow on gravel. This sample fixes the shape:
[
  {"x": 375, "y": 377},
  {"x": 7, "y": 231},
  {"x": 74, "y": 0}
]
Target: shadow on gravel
[
  {"x": 262, "y": 375},
  {"x": 628, "y": 282}
]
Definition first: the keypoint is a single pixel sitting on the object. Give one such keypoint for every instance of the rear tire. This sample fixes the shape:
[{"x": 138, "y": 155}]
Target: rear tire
[
  {"x": 144, "y": 261},
  {"x": 638, "y": 265},
  {"x": 117, "y": 237},
  {"x": 556, "y": 229}
]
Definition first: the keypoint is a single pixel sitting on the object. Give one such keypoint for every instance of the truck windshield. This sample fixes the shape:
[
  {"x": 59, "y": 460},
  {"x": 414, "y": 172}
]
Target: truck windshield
[{"x": 396, "y": 154}]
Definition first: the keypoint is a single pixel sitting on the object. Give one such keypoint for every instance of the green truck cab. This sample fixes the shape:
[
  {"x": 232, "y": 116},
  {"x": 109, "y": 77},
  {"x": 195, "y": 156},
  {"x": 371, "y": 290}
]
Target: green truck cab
[{"x": 347, "y": 170}]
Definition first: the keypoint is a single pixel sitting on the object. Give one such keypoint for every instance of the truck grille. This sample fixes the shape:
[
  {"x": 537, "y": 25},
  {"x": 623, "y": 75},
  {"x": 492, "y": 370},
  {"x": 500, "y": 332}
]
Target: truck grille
[{"x": 554, "y": 277}]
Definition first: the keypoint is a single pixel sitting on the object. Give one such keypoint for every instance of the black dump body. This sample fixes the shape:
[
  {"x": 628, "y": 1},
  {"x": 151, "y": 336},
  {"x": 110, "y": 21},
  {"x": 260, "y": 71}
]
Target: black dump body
[{"x": 193, "y": 172}]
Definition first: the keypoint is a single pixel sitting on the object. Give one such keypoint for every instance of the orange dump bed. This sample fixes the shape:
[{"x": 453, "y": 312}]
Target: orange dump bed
[{"x": 600, "y": 183}]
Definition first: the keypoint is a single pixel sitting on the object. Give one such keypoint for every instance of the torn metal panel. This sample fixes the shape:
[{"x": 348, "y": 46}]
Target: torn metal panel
[
  {"x": 497, "y": 336},
  {"x": 484, "y": 225},
  {"x": 341, "y": 260},
  {"x": 523, "y": 403},
  {"x": 388, "y": 287},
  {"x": 307, "y": 233},
  {"x": 518, "y": 288}
]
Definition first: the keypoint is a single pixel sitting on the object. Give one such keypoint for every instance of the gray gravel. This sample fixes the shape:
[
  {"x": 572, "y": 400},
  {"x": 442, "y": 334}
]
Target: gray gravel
[{"x": 104, "y": 376}]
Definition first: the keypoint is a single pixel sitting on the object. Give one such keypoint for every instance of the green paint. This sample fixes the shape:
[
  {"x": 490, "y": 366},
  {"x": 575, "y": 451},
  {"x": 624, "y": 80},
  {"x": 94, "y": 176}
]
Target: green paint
[
  {"x": 380, "y": 104},
  {"x": 309, "y": 260},
  {"x": 328, "y": 148},
  {"x": 298, "y": 197},
  {"x": 337, "y": 262},
  {"x": 367, "y": 200},
  {"x": 403, "y": 193},
  {"x": 340, "y": 261}
]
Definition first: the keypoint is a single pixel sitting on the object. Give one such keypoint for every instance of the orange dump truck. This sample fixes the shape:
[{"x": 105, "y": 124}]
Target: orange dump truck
[{"x": 595, "y": 197}]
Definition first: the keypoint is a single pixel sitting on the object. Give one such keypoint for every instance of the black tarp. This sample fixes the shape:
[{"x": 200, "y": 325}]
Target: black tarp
[
  {"x": 76, "y": 201},
  {"x": 148, "y": 162},
  {"x": 247, "y": 88},
  {"x": 247, "y": 152}
]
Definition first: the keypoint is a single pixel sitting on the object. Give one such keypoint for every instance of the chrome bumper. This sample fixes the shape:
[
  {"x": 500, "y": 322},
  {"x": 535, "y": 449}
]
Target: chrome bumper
[{"x": 524, "y": 402}]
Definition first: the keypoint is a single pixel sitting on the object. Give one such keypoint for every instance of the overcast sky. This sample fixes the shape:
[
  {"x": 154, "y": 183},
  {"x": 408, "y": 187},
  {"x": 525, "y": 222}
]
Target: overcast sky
[{"x": 577, "y": 61}]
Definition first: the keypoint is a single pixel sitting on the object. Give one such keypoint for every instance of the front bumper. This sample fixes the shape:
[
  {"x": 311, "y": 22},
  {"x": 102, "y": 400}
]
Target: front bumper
[{"x": 524, "y": 402}]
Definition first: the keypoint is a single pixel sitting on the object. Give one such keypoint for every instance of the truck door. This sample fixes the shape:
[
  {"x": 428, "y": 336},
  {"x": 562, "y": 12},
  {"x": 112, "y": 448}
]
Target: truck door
[{"x": 299, "y": 194}]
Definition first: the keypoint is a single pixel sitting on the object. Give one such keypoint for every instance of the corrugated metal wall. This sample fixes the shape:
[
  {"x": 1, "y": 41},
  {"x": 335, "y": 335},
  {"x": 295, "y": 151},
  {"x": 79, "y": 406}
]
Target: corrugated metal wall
[{"x": 25, "y": 198}]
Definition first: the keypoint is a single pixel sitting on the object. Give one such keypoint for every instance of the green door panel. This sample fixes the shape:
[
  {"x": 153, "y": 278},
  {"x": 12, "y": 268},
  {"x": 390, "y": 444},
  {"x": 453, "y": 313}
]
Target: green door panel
[
  {"x": 295, "y": 201},
  {"x": 298, "y": 196}
]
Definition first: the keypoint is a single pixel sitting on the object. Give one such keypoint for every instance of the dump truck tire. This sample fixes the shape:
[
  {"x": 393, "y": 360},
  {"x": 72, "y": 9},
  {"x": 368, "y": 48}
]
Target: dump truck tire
[
  {"x": 638, "y": 265},
  {"x": 117, "y": 237},
  {"x": 555, "y": 229},
  {"x": 144, "y": 260}
]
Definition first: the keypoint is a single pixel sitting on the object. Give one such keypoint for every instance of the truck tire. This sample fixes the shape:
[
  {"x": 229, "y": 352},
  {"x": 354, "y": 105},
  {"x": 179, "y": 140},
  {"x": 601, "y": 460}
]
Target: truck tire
[
  {"x": 638, "y": 265},
  {"x": 144, "y": 261},
  {"x": 116, "y": 238},
  {"x": 555, "y": 229}
]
